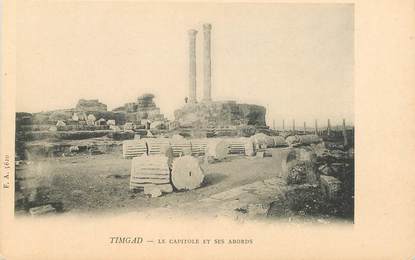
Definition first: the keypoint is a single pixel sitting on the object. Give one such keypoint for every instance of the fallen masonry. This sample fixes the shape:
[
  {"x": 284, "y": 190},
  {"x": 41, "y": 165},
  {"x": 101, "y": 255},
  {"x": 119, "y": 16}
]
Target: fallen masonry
[
  {"x": 186, "y": 173},
  {"x": 330, "y": 186},
  {"x": 42, "y": 210},
  {"x": 152, "y": 190},
  {"x": 149, "y": 170}
]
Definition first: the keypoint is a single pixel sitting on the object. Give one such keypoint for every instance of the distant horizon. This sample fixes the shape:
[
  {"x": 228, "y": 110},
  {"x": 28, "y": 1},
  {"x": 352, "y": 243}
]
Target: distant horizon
[
  {"x": 296, "y": 60},
  {"x": 288, "y": 123}
]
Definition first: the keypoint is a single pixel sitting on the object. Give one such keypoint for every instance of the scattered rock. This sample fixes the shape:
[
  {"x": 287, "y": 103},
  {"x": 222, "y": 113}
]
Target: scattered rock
[
  {"x": 278, "y": 208},
  {"x": 260, "y": 154},
  {"x": 325, "y": 169},
  {"x": 305, "y": 154},
  {"x": 304, "y": 198},
  {"x": 95, "y": 151},
  {"x": 330, "y": 187},
  {"x": 165, "y": 188},
  {"x": 241, "y": 210},
  {"x": 42, "y": 210},
  {"x": 32, "y": 198},
  {"x": 297, "y": 174},
  {"x": 323, "y": 221},
  {"x": 73, "y": 148},
  {"x": 152, "y": 190},
  {"x": 255, "y": 210}
]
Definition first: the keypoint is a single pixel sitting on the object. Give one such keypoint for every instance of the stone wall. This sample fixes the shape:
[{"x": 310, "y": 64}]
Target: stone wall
[
  {"x": 90, "y": 105},
  {"x": 220, "y": 114},
  {"x": 144, "y": 108},
  {"x": 51, "y": 117}
]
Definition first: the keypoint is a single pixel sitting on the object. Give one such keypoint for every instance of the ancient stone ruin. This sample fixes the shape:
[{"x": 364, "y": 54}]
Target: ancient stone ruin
[
  {"x": 143, "y": 111},
  {"x": 90, "y": 105},
  {"x": 220, "y": 114},
  {"x": 208, "y": 113}
]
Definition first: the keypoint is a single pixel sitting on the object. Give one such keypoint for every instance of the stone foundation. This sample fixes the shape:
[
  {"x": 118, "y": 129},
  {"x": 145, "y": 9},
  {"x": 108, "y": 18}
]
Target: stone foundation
[{"x": 219, "y": 114}]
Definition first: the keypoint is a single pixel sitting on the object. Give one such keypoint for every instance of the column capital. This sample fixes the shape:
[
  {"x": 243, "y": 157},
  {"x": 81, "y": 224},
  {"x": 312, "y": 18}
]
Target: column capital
[
  {"x": 192, "y": 32},
  {"x": 207, "y": 26}
]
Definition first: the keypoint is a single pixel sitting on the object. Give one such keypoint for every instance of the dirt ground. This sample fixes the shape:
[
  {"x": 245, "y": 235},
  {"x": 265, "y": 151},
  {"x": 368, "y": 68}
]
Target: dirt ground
[{"x": 99, "y": 184}]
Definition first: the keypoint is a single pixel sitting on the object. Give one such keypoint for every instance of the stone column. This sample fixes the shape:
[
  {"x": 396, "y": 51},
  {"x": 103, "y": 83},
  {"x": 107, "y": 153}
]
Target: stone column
[
  {"x": 192, "y": 66},
  {"x": 206, "y": 63}
]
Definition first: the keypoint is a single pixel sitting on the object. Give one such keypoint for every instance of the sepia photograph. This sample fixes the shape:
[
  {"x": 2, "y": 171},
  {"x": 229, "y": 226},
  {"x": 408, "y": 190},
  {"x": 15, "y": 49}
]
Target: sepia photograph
[
  {"x": 207, "y": 129},
  {"x": 243, "y": 111}
]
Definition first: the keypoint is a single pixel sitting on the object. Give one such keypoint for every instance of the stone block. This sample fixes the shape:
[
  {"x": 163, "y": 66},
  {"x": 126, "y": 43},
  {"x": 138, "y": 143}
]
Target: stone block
[{"x": 330, "y": 187}]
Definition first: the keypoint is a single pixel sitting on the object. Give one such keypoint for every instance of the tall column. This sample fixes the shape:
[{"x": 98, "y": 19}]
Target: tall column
[
  {"x": 315, "y": 127},
  {"x": 192, "y": 66},
  {"x": 206, "y": 63}
]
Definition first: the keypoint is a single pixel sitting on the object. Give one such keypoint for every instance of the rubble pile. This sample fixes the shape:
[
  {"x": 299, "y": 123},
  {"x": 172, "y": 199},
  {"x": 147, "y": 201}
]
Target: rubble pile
[
  {"x": 297, "y": 174},
  {"x": 320, "y": 181},
  {"x": 336, "y": 169},
  {"x": 330, "y": 187},
  {"x": 42, "y": 210},
  {"x": 304, "y": 199},
  {"x": 32, "y": 199}
]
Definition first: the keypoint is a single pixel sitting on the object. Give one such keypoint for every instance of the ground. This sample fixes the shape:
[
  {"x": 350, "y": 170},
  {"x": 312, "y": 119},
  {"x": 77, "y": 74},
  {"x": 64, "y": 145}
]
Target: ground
[{"x": 99, "y": 184}]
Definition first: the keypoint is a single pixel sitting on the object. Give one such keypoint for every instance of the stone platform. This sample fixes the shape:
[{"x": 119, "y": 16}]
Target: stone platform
[{"x": 220, "y": 114}]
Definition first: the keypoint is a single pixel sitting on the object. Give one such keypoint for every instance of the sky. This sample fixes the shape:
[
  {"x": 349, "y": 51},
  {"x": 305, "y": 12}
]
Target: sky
[{"x": 297, "y": 60}]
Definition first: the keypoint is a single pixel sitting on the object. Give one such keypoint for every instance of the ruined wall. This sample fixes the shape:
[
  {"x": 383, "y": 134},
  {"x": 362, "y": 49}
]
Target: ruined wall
[
  {"x": 146, "y": 101},
  {"x": 51, "y": 117},
  {"x": 144, "y": 108},
  {"x": 90, "y": 105},
  {"x": 220, "y": 114}
]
